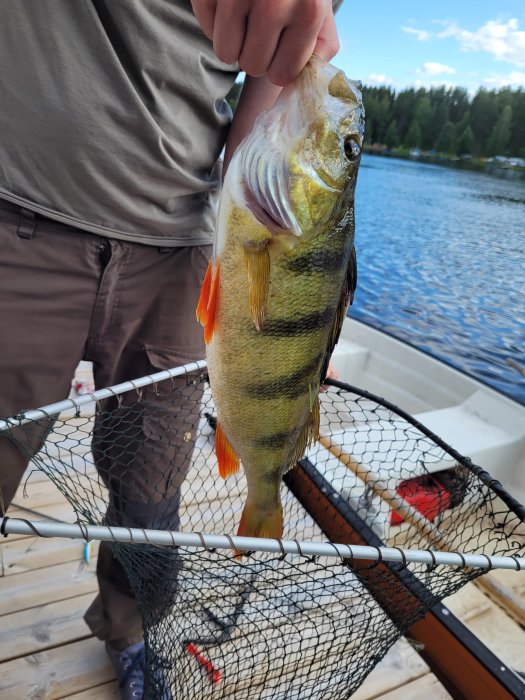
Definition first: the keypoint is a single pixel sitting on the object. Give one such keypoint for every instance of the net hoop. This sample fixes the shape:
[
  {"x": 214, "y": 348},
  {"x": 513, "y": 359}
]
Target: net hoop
[
  {"x": 197, "y": 540},
  {"x": 54, "y": 409}
]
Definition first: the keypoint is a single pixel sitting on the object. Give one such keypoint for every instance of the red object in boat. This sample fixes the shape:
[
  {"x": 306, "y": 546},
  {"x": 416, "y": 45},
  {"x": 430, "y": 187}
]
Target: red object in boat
[{"x": 426, "y": 494}]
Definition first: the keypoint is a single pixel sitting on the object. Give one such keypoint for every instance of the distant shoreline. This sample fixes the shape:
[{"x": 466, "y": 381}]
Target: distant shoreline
[{"x": 472, "y": 164}]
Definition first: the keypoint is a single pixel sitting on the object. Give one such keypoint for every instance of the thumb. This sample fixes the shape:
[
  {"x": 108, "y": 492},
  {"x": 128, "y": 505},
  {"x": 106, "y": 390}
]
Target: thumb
[{"x": 327, "y": 40}]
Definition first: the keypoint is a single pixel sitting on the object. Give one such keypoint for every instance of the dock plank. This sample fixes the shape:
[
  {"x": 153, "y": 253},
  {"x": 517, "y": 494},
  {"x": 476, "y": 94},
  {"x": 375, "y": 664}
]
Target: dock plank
[
  {"x": 400, "y": 666},
  {"x": 32, "y": 553},
  {"x": 56, "y": 673},
  {"x": 107, "y": 691},
  {"x": 38, "y": 494},
  {"x": 496, "y": 630},
  {"x": 427, "y": 687},
  {"x": 49, "y": 625},
  {"x": 53, "y": 583},
  {"x": 507, "y": 590}
]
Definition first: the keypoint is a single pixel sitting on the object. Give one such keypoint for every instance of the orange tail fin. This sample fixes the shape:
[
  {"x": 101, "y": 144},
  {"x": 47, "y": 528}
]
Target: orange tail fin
[
  {"x": 256, "y": 522},
  {"x": 228, "y": 460}
]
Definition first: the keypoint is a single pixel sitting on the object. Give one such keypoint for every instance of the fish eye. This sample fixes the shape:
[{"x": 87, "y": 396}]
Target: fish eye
[{"x": 352, "y": 149}]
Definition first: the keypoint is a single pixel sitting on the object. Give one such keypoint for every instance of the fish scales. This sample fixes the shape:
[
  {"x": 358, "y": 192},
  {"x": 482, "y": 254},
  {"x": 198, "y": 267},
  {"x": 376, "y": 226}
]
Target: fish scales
[{"x": 281, "y": 277}]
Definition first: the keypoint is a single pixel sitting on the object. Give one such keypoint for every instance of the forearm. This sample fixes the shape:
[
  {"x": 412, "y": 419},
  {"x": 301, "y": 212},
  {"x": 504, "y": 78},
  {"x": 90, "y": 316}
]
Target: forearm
[{"x": 258, "y": 94}]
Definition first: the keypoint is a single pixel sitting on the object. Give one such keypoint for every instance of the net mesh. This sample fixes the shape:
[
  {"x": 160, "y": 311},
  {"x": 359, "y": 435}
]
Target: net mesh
[{"x": 267, "y": 626}]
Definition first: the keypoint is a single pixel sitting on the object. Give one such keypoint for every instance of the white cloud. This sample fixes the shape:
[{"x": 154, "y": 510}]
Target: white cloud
[
  {"x": 431, "y": 68},
  {"x": 513, "y": 79},
  {"x": 420, "y": 34},
  {"x": 432, "y": 83},
  {"x": 378, "y": 79},
  {"x": 503, "y": 40}
]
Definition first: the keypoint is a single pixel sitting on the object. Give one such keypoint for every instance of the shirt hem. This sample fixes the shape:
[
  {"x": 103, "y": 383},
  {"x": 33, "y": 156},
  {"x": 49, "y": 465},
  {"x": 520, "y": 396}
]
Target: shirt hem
[{"x": 198, "y": 236}]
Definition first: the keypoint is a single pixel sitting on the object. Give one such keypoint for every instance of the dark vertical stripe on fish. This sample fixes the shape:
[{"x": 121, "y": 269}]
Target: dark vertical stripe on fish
[
  {"x": 319, "y": 260},
  {"x": 291, "y": 386},
  {"x": 282, "y": 327}
]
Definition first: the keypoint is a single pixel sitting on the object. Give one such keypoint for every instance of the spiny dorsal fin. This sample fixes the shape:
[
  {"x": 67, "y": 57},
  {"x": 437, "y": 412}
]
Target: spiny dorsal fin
[{"x": 347, "y": 297}]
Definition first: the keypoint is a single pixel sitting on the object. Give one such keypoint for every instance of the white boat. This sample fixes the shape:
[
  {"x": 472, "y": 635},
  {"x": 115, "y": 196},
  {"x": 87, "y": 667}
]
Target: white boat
[{"x": 476, "y": 420}]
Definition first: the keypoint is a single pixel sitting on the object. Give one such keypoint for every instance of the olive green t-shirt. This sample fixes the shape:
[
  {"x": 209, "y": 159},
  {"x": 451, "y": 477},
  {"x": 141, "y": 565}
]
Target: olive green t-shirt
[{"x": 112, "y": 116}]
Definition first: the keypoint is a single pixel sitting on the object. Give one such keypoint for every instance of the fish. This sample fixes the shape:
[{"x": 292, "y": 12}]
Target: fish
[{"x": 278, "y": 285}]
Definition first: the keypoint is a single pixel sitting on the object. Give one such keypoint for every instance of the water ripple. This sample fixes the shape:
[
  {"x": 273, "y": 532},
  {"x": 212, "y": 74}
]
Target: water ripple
[{"x": 441, "y": 265}]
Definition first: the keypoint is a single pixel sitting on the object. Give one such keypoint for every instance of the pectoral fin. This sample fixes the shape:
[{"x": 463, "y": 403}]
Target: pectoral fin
[{"x": 257, "y": 259}]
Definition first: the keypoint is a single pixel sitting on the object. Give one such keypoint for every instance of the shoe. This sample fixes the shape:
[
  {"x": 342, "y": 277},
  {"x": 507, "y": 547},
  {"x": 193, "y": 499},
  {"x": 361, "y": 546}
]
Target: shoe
[{"x": 130, "y": 668}]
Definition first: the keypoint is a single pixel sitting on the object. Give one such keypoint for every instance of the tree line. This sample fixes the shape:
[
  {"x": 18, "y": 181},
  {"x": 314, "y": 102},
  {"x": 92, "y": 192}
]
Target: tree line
[{"x": 447, "y": 120}]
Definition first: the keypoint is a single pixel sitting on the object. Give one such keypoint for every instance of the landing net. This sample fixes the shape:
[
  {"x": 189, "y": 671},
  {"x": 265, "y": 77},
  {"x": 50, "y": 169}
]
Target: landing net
[{"x": 269, "y": 625}]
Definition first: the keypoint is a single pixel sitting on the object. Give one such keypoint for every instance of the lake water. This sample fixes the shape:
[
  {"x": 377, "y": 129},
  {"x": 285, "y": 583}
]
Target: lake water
[{"x": 441, "y": 257}]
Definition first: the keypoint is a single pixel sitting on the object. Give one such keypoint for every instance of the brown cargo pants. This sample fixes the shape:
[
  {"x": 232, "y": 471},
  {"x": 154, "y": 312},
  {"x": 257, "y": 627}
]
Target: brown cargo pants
[{"x": 68, "y": 295}]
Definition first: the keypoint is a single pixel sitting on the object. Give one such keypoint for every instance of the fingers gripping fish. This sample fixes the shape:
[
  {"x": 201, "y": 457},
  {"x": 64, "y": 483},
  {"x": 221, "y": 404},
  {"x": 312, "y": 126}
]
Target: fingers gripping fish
[{"x": 282, "y": 275}]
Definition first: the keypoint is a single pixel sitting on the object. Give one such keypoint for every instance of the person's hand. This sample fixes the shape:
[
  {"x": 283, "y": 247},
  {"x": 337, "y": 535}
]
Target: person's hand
[{"x": 269, "y": 37}]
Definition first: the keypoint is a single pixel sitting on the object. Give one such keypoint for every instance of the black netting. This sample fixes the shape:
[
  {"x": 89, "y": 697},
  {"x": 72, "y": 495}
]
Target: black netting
[{"x": 267, "y": 626}]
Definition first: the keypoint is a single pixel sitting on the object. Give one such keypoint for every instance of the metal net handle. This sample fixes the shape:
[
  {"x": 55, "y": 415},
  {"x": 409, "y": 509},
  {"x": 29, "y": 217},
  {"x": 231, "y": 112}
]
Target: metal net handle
[{"x": 311, "y": 550}]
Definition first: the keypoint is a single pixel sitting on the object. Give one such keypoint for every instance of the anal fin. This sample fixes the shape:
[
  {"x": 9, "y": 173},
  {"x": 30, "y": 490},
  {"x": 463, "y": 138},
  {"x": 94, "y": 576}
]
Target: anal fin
[{"x": 229, "y": 463}]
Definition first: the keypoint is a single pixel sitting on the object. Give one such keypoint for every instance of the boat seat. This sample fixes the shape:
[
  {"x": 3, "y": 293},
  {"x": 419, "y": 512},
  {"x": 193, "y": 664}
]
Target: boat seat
[
  {"x": 349, "y": 358},
  {"x": 484, "y": 427}
]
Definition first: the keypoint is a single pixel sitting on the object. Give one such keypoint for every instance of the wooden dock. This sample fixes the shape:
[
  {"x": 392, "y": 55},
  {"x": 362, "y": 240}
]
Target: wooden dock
[{"x": 47, "y": 652}]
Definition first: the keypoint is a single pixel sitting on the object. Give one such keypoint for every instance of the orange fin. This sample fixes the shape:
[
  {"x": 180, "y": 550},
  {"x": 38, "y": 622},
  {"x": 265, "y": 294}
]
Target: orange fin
[
  {"x": 260, "y": 523},
  {"x": 204, "y": 298},
  {"x": 228, "y": 461},
  {"x": 207, "y": 310}
]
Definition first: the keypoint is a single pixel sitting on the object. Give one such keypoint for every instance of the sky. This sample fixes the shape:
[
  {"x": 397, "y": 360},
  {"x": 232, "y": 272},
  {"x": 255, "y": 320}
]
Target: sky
[{"x": 402, "y": 43}]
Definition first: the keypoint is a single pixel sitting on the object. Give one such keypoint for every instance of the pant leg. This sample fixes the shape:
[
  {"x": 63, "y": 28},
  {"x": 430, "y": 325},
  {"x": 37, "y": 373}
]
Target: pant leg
[
  {"x": 143, "y": 448},
  {"x": 49, "y": 277}
]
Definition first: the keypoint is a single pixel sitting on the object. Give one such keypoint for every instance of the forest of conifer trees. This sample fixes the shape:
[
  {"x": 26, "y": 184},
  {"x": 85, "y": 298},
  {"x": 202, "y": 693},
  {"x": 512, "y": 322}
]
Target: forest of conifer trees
[{"x": 447, "y": 120}]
